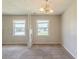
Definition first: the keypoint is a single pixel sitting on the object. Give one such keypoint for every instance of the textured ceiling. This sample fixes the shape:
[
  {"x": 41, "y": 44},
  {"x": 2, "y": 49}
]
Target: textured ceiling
[{"x": 23, "y": 7}]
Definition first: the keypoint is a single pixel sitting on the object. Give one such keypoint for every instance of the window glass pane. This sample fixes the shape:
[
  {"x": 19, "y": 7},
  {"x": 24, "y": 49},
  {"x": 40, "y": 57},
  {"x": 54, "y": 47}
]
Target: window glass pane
[
  {"x": 42, "y": 27},
  {"x": 19, "y": 27}
]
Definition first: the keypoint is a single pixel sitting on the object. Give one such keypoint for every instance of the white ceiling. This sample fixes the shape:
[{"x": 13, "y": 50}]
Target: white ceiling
[{"x": 23, "y": 7}]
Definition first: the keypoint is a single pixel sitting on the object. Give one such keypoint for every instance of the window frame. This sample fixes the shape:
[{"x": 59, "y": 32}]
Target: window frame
[
  {"x": 37, "y": 27},
  {"x": 19, "y": 23}
]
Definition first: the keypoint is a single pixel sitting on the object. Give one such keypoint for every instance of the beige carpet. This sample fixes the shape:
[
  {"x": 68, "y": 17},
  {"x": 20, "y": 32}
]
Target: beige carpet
[{"x": 36, "y": 52}]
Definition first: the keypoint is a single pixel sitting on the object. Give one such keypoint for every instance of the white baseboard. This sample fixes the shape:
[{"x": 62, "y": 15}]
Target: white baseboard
[
  {"x": 69, "y": 52},
  {"x": 14, "y": 44},
  {"x": 46, "y": 43},
  {"x": 35, "y": 43}
]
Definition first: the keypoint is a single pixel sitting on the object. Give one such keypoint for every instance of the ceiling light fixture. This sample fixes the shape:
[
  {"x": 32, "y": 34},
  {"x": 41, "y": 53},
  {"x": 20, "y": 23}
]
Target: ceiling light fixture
[{"x": 46, "y": 8}]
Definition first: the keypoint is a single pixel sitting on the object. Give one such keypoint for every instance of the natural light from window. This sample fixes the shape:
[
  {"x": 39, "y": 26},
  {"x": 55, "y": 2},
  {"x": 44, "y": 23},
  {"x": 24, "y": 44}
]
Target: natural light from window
[
  {"x": 18, "y": 27},
  {"x": 42, "y": 27}
]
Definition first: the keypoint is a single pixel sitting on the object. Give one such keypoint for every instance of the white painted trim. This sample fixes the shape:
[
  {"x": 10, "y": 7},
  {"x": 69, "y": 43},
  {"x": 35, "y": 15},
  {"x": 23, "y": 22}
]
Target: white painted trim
[
  {"x": 13, "y": 43},
  {"x": 35, "y": 43},
  {"x": 47, "y": 43},
  {"x": 69, "y": 52}
]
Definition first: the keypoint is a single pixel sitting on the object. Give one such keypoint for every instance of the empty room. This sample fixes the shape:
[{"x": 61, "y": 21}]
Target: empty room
[{"x": 39, "y": 29}]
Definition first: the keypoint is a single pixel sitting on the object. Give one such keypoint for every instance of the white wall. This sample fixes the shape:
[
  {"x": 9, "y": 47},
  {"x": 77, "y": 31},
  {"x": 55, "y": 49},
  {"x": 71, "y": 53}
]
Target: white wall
[
  {"x": 54, "y": 30},
  {"x": 69, "y": 29},
  {"x": 7, "y": 31}
]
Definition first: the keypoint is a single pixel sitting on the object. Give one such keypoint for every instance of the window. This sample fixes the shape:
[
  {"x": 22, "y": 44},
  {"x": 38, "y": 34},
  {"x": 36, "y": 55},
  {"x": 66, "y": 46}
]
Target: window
[
  {"x": 18, "y": 27},
  {"x": 42, "y": 26}
]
